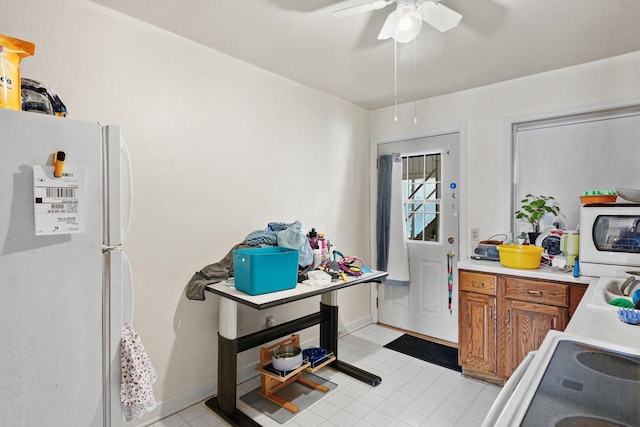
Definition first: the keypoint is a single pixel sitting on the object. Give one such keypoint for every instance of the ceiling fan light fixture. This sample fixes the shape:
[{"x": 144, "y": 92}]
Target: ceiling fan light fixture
[
  {"x": 406, "y": 22},
  {"x": 404, "y": 36}
]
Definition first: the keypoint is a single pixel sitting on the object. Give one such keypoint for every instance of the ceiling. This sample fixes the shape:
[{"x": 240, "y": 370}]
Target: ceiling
[{"x": 496, "y": 40}]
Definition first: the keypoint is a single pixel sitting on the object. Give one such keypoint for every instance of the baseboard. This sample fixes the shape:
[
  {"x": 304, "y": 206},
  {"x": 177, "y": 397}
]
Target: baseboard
[
  {"x": 245, "y": 373},
  {"x": 421, "y": 336},
  {"x": 355, "y": 325}
]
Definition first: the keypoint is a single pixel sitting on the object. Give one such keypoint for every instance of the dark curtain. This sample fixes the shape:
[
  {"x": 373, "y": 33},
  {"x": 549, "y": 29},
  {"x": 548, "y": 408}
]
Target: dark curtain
[{"x": 384, "y": 211}]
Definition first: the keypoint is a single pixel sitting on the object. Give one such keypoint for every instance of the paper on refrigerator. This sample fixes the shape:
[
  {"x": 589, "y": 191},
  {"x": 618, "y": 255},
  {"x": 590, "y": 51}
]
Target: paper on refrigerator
[{"x": 58, "y": 201}]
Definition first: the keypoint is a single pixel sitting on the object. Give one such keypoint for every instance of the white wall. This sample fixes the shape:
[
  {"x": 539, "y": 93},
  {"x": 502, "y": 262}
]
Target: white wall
[
  {"x": 486, "y": 112},
  {"x": 220, "y": 148}
]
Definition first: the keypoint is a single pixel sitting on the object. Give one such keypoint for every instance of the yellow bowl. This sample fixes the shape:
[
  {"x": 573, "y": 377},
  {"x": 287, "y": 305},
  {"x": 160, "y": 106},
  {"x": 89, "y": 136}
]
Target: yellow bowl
[{"x": 520, "y": 256}]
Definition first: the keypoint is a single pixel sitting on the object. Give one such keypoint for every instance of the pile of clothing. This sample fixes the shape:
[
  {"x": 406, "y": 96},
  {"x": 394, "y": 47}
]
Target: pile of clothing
[{"x": 287, "y": 235}]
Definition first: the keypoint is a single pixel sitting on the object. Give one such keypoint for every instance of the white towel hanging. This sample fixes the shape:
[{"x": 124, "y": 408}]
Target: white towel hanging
[
  {"x": 398, "y": 264},
  {"x": 137, "y": 377}
]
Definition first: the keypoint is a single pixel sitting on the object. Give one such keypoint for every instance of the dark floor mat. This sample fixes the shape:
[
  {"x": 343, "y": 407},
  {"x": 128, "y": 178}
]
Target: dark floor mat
[
  {"x": 295, "y": 393},
  {"x": 428, "y": 351}
]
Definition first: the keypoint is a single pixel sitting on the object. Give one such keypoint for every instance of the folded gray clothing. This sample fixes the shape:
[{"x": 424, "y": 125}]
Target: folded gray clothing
[{"x": 212, "y": 273}]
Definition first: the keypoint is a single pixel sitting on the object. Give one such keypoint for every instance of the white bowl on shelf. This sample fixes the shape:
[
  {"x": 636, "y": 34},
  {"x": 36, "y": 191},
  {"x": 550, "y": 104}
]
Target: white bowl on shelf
[
  {"x": 629, "y": 194},
  {"x": 286, "y": 358}
]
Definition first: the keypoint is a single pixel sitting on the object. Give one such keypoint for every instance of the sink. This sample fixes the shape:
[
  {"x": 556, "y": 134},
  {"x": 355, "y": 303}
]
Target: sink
[{"x": 607, "y": 289}]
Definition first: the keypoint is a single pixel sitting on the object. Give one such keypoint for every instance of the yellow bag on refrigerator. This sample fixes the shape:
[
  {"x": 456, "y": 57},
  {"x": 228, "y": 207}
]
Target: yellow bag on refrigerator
[{"x": 11, "y": 53}]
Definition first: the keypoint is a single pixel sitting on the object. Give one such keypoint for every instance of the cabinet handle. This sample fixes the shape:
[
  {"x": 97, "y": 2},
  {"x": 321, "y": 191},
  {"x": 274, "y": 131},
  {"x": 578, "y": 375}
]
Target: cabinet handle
[
  {"x": 508, "y": 316},
  {"x": 536, "y": 293},
  {"x": 555, "y": 324},
  {"x": 490, "y": 312},
  {"x": 477, "y": 284}
]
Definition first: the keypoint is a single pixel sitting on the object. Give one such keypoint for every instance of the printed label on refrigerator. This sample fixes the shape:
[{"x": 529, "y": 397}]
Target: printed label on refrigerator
[{"x": 58, "y": 201}]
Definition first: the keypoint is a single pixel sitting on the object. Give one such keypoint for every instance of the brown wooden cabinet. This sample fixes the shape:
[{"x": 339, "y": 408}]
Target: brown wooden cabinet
[
  {"x": 477, "y": 348},
  {"x": 477, "y": 323},
  {"x": 527, "y": 325},
  {"x": 576, "y": 292},
  {"x": 502, "y": 318}
]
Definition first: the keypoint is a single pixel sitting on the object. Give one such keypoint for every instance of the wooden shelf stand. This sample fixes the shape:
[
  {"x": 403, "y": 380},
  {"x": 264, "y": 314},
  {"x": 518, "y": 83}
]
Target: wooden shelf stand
[{"x": 270, "y": 382}]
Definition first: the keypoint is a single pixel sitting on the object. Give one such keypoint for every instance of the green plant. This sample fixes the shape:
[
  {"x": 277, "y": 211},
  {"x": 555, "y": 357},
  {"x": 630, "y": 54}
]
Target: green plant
[{"x": 533, "y": 208}]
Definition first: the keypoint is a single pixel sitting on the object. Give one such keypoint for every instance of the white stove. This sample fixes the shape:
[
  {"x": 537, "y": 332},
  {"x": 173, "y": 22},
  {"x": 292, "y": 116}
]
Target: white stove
[{"x": 572, "y": 381}]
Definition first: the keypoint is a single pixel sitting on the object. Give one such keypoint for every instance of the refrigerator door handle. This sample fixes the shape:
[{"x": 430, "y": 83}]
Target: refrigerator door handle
[
  {"x": 117, "y": 186},
  {"x": 128, "y": 203},
  {"x": 127, "y": 273}
]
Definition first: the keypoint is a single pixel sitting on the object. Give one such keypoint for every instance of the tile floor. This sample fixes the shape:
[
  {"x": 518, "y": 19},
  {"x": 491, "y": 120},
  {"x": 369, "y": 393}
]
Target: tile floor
[{"x": 413, "y": 393}]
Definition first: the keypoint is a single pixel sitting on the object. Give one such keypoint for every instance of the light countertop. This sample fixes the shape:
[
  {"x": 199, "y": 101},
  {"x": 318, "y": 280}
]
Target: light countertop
[
  {"x": 540, "y": 273},
  {"x": 602, "y": 323}
]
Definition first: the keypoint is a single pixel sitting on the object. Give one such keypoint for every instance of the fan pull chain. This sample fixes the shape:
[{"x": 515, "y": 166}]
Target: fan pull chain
[
  {"x": 415, "y": 82},
  {"x": 395, "y": 81}
]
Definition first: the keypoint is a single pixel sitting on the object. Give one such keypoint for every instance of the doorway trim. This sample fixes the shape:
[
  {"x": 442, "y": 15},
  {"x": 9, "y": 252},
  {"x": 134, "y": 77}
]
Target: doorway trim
[{"x": 461, "y": 130}]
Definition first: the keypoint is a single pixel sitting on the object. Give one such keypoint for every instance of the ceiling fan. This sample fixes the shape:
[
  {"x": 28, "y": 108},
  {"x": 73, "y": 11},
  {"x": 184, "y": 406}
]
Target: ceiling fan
[{"x": 404, "y": 23}]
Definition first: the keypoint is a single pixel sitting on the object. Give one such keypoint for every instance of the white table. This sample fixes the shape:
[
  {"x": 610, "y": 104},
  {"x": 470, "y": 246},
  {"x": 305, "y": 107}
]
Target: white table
[{"x": 229, "y": 344}]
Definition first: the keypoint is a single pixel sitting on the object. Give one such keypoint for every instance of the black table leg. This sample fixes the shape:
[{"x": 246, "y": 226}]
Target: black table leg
[
  {"x": 235, "y": 418},
  {"x": 227, "y": 373},
  {"x": 329, "y": 329},
  {"x": 357, "y": 373},
  {"x": 329, "y": 340},
  {"x": 224, "y": 404}
]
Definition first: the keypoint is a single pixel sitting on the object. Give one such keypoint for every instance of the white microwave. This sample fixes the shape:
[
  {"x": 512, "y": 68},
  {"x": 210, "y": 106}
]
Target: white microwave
[{"x": 609, "y": 239}]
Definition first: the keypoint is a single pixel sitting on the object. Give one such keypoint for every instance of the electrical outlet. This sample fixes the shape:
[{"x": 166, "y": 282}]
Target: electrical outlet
[
  {"x": 475, "y": 235},
  {"x": 270, "y": 321}
]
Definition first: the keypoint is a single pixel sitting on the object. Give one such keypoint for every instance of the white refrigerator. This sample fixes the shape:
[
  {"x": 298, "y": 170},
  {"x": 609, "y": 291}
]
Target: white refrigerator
[{"x": 63, "y": 274}]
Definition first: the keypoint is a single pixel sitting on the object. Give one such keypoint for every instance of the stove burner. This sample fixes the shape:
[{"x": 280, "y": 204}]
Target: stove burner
[
  {"x": 585, "y": 421},
  {"x": 610, "y": 364}
]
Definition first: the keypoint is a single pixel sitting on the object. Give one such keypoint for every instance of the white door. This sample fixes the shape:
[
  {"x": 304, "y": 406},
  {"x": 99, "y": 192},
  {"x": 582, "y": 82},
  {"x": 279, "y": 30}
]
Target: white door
[{"x": 430, "y": 211}]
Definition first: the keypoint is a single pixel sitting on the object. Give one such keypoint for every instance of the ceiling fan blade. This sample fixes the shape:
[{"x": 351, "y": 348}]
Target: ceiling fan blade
[
  {"x": 389, "y": 26},
  {"x": 440, "y": 16},
  {"x": 372, "y": 5}
]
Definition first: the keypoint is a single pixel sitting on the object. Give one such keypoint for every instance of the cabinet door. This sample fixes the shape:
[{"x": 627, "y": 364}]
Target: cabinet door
[
  {"x": 477, "y": 333},
  {"x": 527, "y": 326}
]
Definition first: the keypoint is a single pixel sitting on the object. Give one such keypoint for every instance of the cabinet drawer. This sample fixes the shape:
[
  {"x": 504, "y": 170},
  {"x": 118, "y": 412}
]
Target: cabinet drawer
[
  {"x": 478, "y": 282},
  {"x": 541, "y": 292}
]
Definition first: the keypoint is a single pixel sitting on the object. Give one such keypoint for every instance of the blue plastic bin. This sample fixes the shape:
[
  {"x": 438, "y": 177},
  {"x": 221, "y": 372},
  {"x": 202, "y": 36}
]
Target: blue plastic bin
[{"x": 263, "y": 270}]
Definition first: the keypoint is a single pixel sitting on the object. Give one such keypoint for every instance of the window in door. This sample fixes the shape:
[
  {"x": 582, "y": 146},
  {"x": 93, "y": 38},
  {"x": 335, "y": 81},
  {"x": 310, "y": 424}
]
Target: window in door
[{"x": 422, "y": 196}]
